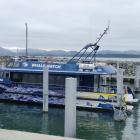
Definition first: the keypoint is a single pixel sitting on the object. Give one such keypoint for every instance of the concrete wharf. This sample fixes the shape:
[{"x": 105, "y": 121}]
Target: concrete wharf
[{"x": 20, "y": 135}]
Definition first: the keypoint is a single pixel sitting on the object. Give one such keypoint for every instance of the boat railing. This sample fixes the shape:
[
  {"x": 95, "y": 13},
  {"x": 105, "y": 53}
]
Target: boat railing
[
  {"x": 101, "y": 88},
  {"x": 38, "y": 85},
  {"x": 26, "y": 84},
  {"x": 56, "y": 87}
]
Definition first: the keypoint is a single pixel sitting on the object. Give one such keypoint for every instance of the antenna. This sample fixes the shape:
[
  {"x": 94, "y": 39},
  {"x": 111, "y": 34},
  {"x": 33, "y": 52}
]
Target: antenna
[{"x": 26, "y": 39}]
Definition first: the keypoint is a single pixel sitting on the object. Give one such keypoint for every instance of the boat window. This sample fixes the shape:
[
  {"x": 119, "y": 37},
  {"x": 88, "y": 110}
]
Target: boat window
[
  {"x": 10, "y": 64},
  {"x": 7, "y": 75},
  {"x": 32, "y": 78},
  {"x": 16, "y": 64},
  {"x": 56, "y": 80},
  {"x": 16, "y": 77},
  {"x": 4, "y": 74},
  {"x": 27, "y": 78},
  {"x": 1, "y": 74},
  {"x": 13, "y": 64}
]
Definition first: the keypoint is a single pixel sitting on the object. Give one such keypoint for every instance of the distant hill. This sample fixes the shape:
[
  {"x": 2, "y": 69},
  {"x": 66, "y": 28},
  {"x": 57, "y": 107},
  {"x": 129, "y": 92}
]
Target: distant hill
[
  {"x": 37, "y": 52},
  {"x": 127, "y": 54},
  {"x": 6, "y": 52},
  {"x": 103, "y": 53},
  {"x": 40, "y": 52},
  {"x": 134, "y": 52}
]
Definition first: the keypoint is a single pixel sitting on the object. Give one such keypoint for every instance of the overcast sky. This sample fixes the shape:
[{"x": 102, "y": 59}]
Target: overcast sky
[{"x": 70, "y": 24}]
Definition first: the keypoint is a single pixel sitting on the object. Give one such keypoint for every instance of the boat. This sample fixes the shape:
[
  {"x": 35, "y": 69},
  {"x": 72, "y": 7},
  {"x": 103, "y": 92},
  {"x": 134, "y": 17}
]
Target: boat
[{"x": 21, "y": 80}]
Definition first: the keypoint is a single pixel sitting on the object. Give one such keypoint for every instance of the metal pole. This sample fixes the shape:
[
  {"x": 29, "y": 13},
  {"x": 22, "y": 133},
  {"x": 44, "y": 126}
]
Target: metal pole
[
  {"x": 70, "y": 107},
  {"x": 26, "y": 39},
  {"x": 45, "y": 89}
]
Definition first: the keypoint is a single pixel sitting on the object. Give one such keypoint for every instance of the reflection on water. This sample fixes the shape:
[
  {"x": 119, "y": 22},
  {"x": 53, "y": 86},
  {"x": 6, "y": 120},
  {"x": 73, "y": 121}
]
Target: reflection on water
[
  {"x": 99, "y": 126},
  {"x": 132, "y": 127},
  {"x": 90, "y": 125}
]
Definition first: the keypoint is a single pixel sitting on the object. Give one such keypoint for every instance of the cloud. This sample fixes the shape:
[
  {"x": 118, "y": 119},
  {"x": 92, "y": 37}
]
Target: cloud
[{"x": 70, "y": 24}]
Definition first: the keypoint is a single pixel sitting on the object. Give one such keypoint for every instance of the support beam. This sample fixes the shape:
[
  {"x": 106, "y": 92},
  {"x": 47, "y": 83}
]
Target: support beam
[
  {"x": 70, "y": 107},
  {"x": 45, "y": 89}
]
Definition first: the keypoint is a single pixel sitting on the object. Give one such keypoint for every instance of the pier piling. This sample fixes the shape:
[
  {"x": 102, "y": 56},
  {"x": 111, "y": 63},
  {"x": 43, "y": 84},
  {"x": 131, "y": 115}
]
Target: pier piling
[
  {"x": 120, "y": 108},
  {"x": 70, "y": 107},
  {"x": 137, "y": 79},
  {"x": 120, "y": 90},
  {"x": 45, "y": 89}
]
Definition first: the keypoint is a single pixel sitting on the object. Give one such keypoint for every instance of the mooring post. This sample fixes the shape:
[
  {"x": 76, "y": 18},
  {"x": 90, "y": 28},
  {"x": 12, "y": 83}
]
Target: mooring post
[
  {"x": 120, "y": 90},
  {"x": 137, "y": 78},
  {"x": 120, "y": 108},
  {"x": 70, "y": 107},
  {"x": 45, "y": 89}
]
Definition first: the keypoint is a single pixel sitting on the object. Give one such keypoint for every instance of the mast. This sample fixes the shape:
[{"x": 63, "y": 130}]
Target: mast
[{"x": 26, "y": 39}]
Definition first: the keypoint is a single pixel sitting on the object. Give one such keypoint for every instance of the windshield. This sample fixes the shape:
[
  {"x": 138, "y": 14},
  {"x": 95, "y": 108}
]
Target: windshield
[{"x": 13, "y": 65}]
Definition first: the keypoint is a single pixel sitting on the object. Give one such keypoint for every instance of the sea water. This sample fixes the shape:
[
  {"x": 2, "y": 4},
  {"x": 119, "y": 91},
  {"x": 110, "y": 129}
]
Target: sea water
[{"x": 90, "y": 125}]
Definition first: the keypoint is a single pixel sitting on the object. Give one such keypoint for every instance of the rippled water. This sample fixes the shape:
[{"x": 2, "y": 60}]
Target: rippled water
[{"x": 90, "y": 125}]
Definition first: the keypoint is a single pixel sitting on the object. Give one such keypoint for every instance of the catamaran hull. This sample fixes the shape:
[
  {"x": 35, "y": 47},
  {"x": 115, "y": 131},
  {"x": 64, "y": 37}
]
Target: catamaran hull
[
  {"x": 107, "y": 97},
  {"x": 60, "y": 102}
]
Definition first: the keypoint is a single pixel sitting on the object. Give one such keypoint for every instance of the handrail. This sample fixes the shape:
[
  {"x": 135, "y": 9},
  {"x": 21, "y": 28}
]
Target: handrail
[{"x": 103, "y": 88}]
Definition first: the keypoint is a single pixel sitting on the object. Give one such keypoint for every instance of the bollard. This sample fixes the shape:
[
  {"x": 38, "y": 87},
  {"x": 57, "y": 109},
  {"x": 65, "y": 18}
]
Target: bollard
[
  {"x": 70, "y": 107},
  {"x": 120, "y": 108},
  {"x": 45, "y": 89},
  {"x": 137, "y": 78}
]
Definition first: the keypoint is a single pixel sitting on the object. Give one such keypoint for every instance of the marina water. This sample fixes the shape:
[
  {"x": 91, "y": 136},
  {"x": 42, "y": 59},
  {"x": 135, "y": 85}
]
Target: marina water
[{"x": 90, "y": 125}]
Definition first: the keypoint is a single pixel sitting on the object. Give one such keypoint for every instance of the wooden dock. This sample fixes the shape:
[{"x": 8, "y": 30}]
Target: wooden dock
[{"x": 20, "y": 135}]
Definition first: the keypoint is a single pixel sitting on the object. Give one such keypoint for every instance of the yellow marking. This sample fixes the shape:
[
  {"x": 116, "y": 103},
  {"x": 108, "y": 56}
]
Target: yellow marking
[{"x": 95, "y": 95}]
